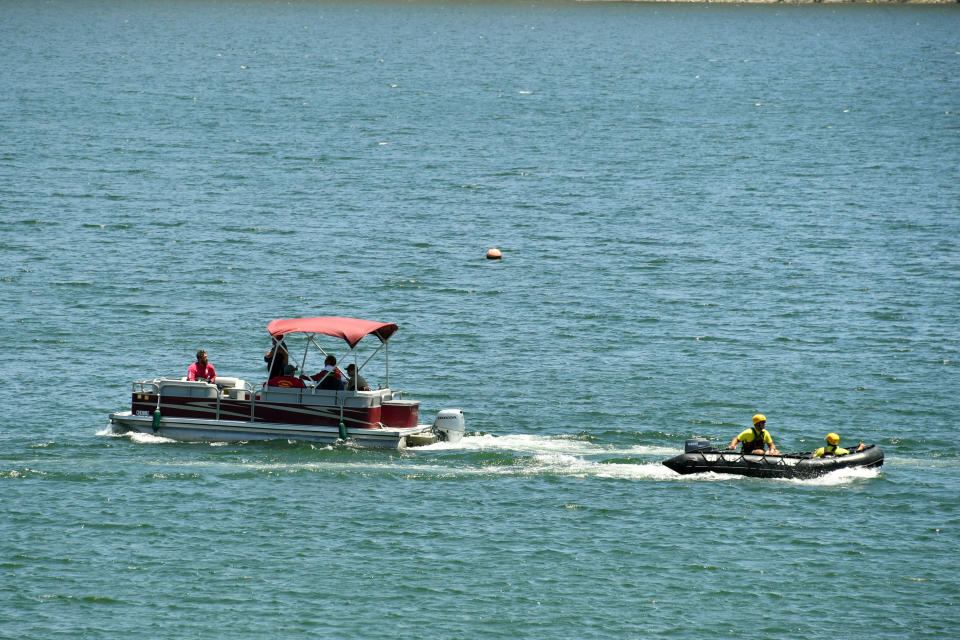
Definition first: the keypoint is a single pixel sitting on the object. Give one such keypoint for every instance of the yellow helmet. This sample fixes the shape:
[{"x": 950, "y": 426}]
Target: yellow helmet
[
  {"x": 833, "y": 438},
  {"x": 759, "y": 418}
]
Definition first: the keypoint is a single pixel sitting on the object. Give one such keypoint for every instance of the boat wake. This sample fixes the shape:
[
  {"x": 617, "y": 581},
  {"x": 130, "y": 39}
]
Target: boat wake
[
  {"x": 532, "y": 444},
  {"x": 571, "y": 455},
  {"x": 581, "y": 456},
  {"x": 839, "y": 477},
  {"x": 136, "y": 437}
]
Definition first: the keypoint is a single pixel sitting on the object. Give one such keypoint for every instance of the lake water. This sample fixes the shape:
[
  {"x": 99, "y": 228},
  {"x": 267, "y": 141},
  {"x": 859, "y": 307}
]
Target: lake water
[{"x": 705, "y": 212}]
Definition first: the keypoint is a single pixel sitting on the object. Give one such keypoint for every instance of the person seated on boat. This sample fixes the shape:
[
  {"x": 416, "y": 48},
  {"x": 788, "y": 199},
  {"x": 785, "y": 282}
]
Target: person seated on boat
[
  {"x": 355, "y": 382},
  {"x": 289, "y": 382},
  {"x": 201, "y": 370},
  {"x": 752, "y": 440},
  {"x": 277, "y": 365},
  {"x": 833, "y": 448},
  {"x": 330, "y": 377}
]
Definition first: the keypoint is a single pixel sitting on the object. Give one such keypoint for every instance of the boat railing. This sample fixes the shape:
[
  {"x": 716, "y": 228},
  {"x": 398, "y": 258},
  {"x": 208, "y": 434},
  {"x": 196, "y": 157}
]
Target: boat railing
[
  {"x": 236, "y": 389},
  {"x": 145, "y": 386},
  {"x": 223, "y": 388}
]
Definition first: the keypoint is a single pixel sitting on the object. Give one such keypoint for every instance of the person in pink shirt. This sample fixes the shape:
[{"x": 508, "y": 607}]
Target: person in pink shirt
[{"x": 201, "y": 369}]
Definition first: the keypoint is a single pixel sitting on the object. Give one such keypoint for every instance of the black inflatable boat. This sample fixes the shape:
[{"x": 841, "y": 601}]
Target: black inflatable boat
[{"x": 699, "y": 456}]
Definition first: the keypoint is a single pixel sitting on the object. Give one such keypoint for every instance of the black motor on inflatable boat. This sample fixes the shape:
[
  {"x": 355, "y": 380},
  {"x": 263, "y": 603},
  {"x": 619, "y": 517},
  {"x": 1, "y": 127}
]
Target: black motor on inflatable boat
[{"x": 696, "y": 444}]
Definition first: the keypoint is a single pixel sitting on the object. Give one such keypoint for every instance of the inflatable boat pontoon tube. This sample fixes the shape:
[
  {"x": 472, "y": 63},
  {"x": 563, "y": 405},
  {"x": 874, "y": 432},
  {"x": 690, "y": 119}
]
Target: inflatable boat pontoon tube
[{"x": 700, "y": 457}]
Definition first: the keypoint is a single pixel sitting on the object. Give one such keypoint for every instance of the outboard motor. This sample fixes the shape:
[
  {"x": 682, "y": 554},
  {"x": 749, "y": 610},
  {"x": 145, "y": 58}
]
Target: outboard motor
[
  {"x": 449, "y": 425},
  {"x": 694, "y": 445}
]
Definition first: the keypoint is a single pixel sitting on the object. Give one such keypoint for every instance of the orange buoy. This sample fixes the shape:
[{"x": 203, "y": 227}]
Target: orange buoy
[{"x": 494, "y": 254}]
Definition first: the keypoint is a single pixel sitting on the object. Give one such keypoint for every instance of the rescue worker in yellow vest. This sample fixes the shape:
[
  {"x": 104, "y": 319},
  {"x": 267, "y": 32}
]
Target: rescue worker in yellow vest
[
  {"x": 752, "y": 440},
  {"x": 832, "y": 449}
]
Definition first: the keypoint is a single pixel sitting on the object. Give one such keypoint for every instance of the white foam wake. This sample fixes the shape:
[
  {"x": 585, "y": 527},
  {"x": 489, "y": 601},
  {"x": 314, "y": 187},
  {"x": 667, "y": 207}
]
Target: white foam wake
[
  {"x": 533, "y": 444},
  {"x": 841, "y": 477}
]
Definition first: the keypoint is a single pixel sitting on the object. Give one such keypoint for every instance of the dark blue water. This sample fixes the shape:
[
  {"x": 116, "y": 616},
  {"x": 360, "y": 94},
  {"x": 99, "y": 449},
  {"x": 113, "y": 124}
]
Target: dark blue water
[{"x": 705, "y": 212}]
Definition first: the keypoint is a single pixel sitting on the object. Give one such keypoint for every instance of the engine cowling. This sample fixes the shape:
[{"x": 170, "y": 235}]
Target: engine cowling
[{"x": 449, "y": 425}]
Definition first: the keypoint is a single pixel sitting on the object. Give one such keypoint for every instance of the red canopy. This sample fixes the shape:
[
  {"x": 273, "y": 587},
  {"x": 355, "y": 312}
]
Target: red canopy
[{"x": 350, "y": 329}]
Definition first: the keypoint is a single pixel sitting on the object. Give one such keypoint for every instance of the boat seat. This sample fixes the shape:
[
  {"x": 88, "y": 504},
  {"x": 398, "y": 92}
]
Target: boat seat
[
  {"x": 188, "y": 388},
  {"x": 226, "y": 382}
]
